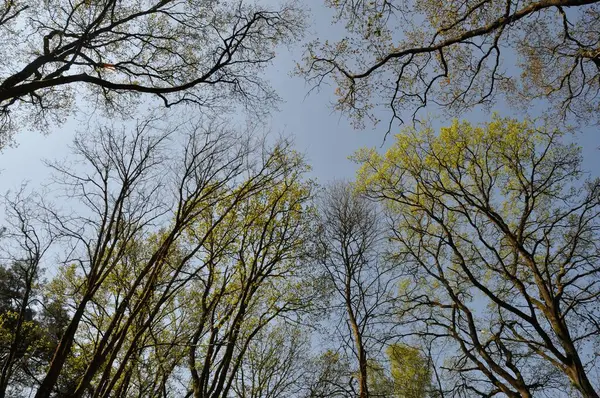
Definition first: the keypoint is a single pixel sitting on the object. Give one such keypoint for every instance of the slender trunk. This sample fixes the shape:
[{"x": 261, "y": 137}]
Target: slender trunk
[
  {"x": 574, "y": 366},
  {"x": 104, "y": 347},
  {"x": 107, "y": 345},
  {"x": 61, "y": 354},
  {"x": 575, "y": 370},
  {"x": 121, "y": 391},
  {"x": 358, "y": 341},
  {"x": 229, "y": 350},
  {"x": 8, "y": 364},
  {"x": 192, "y": 360},
  {"x": 362, "y": 359},
  {"x": 525, "y": 393}
]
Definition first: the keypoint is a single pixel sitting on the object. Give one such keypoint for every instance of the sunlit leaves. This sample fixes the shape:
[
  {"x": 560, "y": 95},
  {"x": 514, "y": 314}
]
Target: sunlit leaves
[{"x": 492, "y": 218}]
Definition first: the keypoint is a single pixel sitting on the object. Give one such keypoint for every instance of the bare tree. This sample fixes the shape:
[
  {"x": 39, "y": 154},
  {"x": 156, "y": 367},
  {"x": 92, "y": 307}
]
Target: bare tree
[
  {"x": 349, "y": 250},
  {"x": 275, "y": 364},
  {"x": 120, "y": 193}
]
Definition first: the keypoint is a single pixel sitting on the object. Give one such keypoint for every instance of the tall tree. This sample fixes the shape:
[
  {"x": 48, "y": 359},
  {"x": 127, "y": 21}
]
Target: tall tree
[
  {"x": 409, "y": 374},
  {"x": 177, "y": 260},
  {"x": 406, "y": 55},
  {"x": 29, "y": 325},
  {"x": 275, "y": 364},
  {"x": 201, "y": 52},
  {"x": 501, "y": 239},
  {"x": 253, "y": 275},
  {"x": 411, "y": 371},
  {"x": 349, "y": 250}
]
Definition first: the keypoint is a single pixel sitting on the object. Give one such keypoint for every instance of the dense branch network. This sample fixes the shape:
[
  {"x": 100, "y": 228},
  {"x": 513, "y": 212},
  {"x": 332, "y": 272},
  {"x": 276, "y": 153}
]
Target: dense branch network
[
  {"x": 457, "y": 54},
  {"x": 501, "y": 245},
  {"x": 197, "y": 52}
]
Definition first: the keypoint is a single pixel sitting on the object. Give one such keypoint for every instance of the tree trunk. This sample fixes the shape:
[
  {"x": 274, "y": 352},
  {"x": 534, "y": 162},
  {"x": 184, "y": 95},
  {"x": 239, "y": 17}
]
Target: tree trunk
[
  {"x": 580, "y": 380},
  {"x": 61, "y": 354},
  {"x": 8, "y": 364},
  {"x": 362, "y": 355}
]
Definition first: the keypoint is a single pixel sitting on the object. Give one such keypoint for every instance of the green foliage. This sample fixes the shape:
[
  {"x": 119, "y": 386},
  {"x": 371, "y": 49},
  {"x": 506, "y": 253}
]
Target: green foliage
[
  {"x": 40, "y": 327},
  {"x": 489, "y": 220},
  {"x": 408, "y": 374},
  {"x": 406, "y": 55},
  {"x": 410, "y": 370},
  {"x": 215, "y": 286}
]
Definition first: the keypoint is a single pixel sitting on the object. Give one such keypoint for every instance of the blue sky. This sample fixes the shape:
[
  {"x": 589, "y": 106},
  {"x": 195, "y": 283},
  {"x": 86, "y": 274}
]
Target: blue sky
[{"x": 323, "y": 135}]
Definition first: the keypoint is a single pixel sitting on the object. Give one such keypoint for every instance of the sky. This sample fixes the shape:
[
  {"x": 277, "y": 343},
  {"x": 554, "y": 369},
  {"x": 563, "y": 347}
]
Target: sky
[{"x": 323, "y": 135}]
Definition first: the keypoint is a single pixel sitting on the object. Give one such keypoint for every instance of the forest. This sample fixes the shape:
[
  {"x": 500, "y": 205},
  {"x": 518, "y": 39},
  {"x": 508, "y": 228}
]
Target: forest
[{"x": 180, "y": 246}]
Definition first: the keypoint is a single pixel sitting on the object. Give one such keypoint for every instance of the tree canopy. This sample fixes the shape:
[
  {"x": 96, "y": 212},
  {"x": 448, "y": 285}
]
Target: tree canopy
[
  {"x": 500, "y": 238},
  {"x": 202, "y": 52},
  {"x": 406, "y": 55}
]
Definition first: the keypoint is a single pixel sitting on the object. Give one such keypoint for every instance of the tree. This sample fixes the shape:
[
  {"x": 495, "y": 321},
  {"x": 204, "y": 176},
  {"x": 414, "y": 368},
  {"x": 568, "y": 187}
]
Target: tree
[
  {"x": 30, "y": 326},
  {"x": 332, "y": 376},
  {"x": 456, "y": 54},
  {"x": 274, "y": 365},
  {"x": 185, "y": 246},
  {"x": 349, "y": 251},
  {"x": 200, "y": 52},
  {"x": 25, "y": 345},
  {"x": 410, "y": 370},
  {"x": 409, "y": 374},
  {"x": 501, "y": 239},
  {"x": 253, "y": 275}
]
